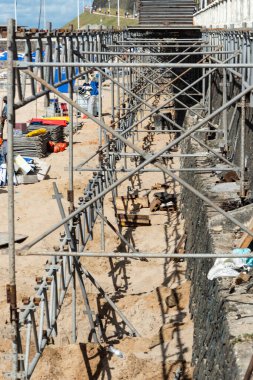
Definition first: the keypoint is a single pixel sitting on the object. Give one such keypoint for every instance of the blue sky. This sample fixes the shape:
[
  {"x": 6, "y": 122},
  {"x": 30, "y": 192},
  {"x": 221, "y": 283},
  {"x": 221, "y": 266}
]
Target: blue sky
[{"x": 59, "y": 12}]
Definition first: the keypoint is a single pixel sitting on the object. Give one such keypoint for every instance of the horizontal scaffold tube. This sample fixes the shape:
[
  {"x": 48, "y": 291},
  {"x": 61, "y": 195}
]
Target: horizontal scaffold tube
[
  {"x": 148, "y": 255},
  {"x": 23, "y": 65}
]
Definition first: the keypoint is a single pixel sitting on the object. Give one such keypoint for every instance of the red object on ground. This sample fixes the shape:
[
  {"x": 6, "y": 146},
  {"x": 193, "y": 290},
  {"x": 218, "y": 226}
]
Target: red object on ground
[
  {"x": 62, "y": 146},
  {"x": 1, "y": 141},
  {"x": 62, "y": 123},
  {"x": 51, "y": 145},
  {"x": 56, "y": 149},
  {"x": 84, "y": 117}
]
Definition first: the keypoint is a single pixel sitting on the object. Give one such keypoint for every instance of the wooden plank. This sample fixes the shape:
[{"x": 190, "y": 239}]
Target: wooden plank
[
  {"x": 247, "y": 239},
  {"x": 127, "y": 223},
  {"x": 133, "y": 217},
  {"x": 132, "y": 220}
]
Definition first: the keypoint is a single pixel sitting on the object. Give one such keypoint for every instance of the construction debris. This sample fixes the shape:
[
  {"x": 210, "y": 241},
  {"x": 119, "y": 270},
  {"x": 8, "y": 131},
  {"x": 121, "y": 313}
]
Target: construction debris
[
  {"x": 56, "y": 132},
  {"x": 36, "y": 146},
  {"x": 163, "y": 201},
  {"x": 28, "y": 170}
]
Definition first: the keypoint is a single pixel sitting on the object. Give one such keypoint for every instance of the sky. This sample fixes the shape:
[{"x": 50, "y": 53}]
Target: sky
[{"x": 59, "y": 12}]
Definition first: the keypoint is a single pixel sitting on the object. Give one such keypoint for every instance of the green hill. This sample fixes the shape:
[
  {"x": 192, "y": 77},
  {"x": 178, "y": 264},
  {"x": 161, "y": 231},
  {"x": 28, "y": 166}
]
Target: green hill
[{"x": 88, "y": 18}]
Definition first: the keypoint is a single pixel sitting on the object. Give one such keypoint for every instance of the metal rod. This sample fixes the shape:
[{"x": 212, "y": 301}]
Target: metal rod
[
  {"x": 11, "y": 215},
  {"x": 148, "y": 255},
  {"x": 224, "y": 113},
  {"x": 242, "y": 159},
  {"x": 163, "y": 45},
  {"x": 71, "y": 152},
  {"x": 112, "y": 97},
  {"x": 165, "y": 131},
  {"x": 74, "y": 331},
  {"x": 23, "y": 65},
  {"x": 193, "y": 169},
  {"x": 156, "y": 54},
  {"x": 167, "y": 155}
]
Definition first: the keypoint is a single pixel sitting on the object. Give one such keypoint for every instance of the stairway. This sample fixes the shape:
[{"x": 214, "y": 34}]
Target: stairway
[{"x": 166, "y": 12}]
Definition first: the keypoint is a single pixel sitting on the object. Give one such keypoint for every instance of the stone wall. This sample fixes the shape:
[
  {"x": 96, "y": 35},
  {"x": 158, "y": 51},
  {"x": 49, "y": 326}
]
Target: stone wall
[{"x": 222, "y": 313}]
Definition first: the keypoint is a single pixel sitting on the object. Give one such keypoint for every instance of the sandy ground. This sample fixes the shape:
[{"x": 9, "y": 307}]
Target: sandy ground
[{"x": 141, "y": 289}]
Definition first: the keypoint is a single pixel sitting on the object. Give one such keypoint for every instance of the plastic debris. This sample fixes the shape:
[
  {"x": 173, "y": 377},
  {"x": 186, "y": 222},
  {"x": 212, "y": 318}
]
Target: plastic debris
[
  {"x": 231, "y": 267},
  {"x": 116, "y": 352},
  {"x": 3, "y": 175},
  {"x": 22, "y": 165},
  {"x": 244, "y": 251}
]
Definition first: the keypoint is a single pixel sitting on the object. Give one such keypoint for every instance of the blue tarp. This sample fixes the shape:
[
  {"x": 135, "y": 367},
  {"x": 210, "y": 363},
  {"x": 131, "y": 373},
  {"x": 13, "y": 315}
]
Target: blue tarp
[
  {"x": 4, "y": 56},
  {"x": 64, "y": 88}
]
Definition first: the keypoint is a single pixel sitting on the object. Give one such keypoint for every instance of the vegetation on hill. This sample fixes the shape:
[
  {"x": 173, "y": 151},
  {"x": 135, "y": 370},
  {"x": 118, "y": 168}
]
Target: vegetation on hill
[{"x": 88, "y": 18}]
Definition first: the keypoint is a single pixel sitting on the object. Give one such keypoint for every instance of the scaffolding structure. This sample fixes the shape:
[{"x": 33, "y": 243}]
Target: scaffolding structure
[{"x": 142, "y": 66}]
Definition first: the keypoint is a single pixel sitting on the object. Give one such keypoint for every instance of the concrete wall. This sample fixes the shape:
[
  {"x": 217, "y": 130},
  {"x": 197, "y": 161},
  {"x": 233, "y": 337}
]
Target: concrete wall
[{"x": 226, "y": 12}]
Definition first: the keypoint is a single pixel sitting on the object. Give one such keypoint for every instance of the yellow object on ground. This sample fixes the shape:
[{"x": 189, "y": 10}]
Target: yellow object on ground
[
  {"x": 57, "y": 118},
  {"x": 37, "y": 132}
]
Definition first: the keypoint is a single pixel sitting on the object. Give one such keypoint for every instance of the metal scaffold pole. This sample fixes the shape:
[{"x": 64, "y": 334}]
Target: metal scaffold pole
[
  {"x": 71, "y": 153},
  {"x": 11, "y": 217}
]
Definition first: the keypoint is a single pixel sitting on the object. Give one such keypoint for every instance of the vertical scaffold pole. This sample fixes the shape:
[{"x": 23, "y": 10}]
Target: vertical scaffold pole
[
  {"x": 99, "y": 49},
  {"x": 10, "y": 172},
  {"x": 74, "y": 303},
  {"x": 71, "y": 154},
  {"x": 242, "y": 163},
  {"x": 112, "y": 97},
  {"x": 224, "y": 113}
]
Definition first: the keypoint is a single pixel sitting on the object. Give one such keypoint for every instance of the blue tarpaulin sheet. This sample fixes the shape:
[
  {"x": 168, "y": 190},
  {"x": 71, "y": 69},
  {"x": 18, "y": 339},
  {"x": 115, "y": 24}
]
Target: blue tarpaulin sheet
[{"x": 64, "y": 88}]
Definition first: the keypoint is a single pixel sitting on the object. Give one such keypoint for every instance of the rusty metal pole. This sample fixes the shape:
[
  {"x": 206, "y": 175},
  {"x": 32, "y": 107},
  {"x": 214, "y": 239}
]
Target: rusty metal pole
[{"x": 11, "y": 218}]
